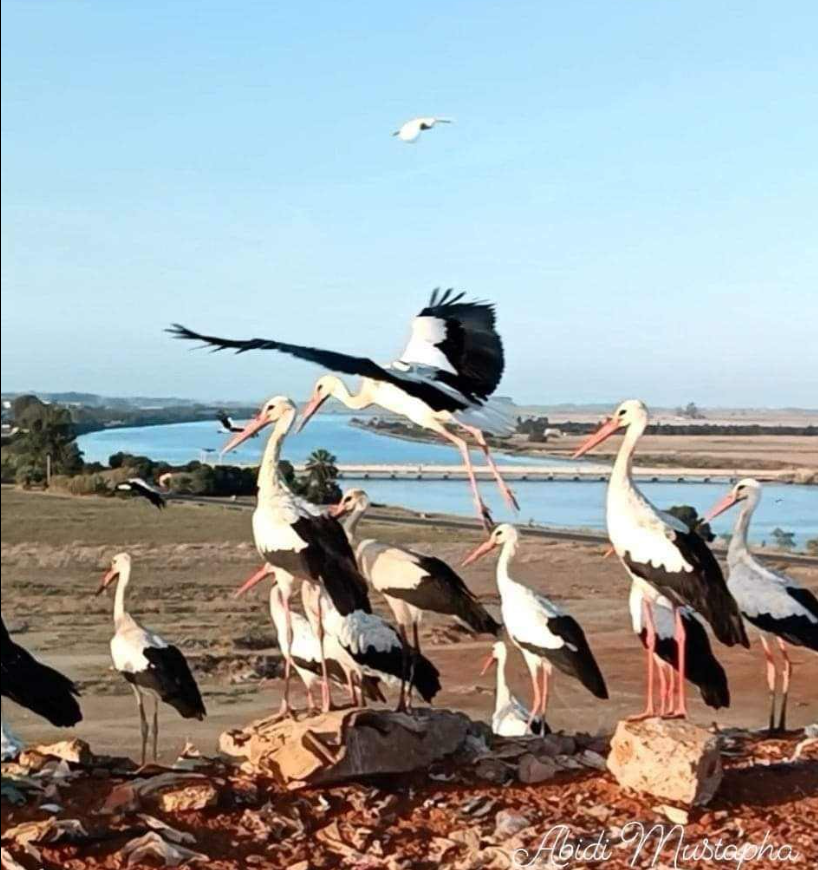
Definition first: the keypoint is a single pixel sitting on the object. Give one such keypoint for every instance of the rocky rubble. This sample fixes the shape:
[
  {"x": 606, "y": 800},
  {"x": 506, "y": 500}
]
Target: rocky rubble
[{"x": 91, "y": 813}]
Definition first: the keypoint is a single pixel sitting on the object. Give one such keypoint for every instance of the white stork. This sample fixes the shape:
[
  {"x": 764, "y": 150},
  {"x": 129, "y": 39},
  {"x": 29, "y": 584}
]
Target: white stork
[
  {"x": 36, "y": 686},
  {"x": 511, "y": 717},
  {"x": 305, "y": 654},
  {"x": 139, "y": 487},
  {"x": 775, "y": 604},
  {"x": 660, "y": 553},
  {"x": 410, "y": 131},
  {"x": 412, "y": 583},
  {"x": 703, "y": 669},
  {"x": 297, "y": 539},
  {"x": 445, "y": 377},
  {"x": 372, "y": 648},
  {"x": 546, "y": 636},
  {"x": 148, "y": 663}
]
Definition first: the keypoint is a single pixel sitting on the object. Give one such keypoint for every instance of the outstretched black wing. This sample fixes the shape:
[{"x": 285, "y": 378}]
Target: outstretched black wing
[
  {"x": 425, "y": 390},
  {"x": 139, "y": 487},
  {"x": 461, "y": 339}
]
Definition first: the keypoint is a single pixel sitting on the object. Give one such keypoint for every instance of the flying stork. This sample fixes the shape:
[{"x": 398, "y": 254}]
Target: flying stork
[
  {"x": 546, "y": 636},
  {"x": 410, "y": 131},
  {"x": 511, "y": 717},
  {"x": 703, "y": 669},
  {"x": 774, "y": 603},
  {"x": 296, "y": 539},
  {"x": 660, "y": 553},
  {"x": 139, "y": 487},
  {"x": 35, "y": 686},
  {"x": 412, "y": 583},
  {"x": 444, "y": 379},
  {"x": 148, "y": 663}
]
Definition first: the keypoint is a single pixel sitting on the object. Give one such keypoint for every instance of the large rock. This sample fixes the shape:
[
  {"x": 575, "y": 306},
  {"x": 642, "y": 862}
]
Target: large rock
[
  {"x": 669, "y": 759},
  {"x": 347, "y": 744}
]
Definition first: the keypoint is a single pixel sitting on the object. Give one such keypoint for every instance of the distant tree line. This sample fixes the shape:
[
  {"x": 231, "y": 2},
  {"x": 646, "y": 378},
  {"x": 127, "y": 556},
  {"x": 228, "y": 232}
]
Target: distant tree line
[{"x": 43, "y": 430}]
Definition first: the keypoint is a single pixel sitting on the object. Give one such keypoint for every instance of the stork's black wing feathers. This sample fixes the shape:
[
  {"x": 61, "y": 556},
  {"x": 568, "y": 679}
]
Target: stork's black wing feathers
[
  {"x": 472, "y": 344},
  {"x": 154, "y": 497},
  {"x": 169, "y": 675},
  {"x": 704, "y": 588},
  {"x": 438, "y": 400},
  {"x": 328, "y": 557},
  {"x": 36, "y": 686}
]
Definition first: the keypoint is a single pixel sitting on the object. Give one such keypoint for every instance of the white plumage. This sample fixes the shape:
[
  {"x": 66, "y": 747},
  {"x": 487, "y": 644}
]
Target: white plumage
[
  {"x": 511, "y": 717},
  {"x": 546, "y": 636},
  {"x": 410, "y": 130},
  {"x": 12, "y": 745}
]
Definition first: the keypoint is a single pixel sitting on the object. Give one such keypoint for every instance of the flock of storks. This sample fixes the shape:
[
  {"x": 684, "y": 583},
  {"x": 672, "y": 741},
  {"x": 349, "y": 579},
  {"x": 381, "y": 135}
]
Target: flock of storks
[{"x": 443, "y": 382}]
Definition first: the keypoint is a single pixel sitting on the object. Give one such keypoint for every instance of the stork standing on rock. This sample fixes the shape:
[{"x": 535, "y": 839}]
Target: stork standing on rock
[
  {"x": 297, "y": 540},
  {"x": 777, "y": 605},
  {"x": 305, "y": 654},
  {"x": 703, "y": 669},
  {"x": 546, "y": 636},
  {"x": 151, "y": 666},
  {"x": 372, "y": 649},
  {"x": 661, "y": 554},
  {"x": 444, "y": 379},
  {"x": 412, "y": 583}
]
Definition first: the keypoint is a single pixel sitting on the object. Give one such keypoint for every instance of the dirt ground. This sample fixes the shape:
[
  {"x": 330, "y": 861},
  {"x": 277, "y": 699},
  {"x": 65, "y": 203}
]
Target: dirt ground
[{"x": 189, "y": 559}]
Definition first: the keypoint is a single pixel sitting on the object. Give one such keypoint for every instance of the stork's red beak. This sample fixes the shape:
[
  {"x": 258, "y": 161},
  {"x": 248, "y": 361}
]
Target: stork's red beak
[
  {"x": 264, "y": 571},
  {"x": 604, "y": 432},
  {"x": 725, "y": 504},
  {"x": 337, "y": 510},
  {"x": 312, "y": 408},
  {"x": 107, "y": 580},
  {"x": 482, "y": 550},
  {"x": 255, "y": 425},
  {"x": 488, "y": 664}
]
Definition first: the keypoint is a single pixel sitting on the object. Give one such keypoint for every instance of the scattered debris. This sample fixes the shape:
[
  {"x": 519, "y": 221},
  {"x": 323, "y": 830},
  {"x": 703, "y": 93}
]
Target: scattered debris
[{"x": 153, "y": 847}]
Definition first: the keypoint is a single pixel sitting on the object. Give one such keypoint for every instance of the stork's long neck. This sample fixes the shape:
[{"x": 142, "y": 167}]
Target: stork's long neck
[
  {"x": 350, "y": 521},
  {"x": 119, "y": 599},
  {"x": 357, "y": 401},
  {"x": 738, "y": 543},
  {"x": 507, "y": 554},
  {"x": 502, "y": 696},
  {"x": 622, "y": 473},
  {"x": 270, "y": 480}
]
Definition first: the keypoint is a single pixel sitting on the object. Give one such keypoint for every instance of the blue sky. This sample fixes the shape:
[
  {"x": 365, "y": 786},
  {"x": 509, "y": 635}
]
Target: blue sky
[{"x": 634, "y": 183}]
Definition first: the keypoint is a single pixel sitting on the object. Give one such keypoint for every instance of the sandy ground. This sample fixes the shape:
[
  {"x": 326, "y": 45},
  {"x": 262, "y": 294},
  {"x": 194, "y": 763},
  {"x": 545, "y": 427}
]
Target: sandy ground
[{"x": 188, "y": 561}]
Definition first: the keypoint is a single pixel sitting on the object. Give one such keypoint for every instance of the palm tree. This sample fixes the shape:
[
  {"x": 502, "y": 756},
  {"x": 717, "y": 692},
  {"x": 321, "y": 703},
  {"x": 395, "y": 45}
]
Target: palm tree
[{"x": 322, "y": 472}]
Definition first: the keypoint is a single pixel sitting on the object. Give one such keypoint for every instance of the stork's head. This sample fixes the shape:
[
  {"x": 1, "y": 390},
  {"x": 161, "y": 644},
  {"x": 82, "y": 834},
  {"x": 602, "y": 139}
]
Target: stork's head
[
  {"x": 273, "y": 410},
  {"x": 497, "y": 657},
  {"x": 354, "y": 501},
  {"x": 325, "y": 387},
  {"x": 748, "y": 490},
  {"x": 504, "y": 535},
  {"x": 120, "y": 565},
  {"x": 631, "y": 413}
]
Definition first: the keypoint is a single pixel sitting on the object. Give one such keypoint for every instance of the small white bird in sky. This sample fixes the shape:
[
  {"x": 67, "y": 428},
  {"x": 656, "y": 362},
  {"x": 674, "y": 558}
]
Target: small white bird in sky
[{"x": 411, "y": 130}]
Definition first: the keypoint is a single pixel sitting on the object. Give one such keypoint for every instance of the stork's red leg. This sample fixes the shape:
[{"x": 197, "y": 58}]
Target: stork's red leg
[
  {"x": 480, "y": 438},
  {"x": 482, "y": 511},
  {"x": 681, "y": 648},
  {"x": 326, "y": 693},
  {"x": 537, "y": 699}
]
